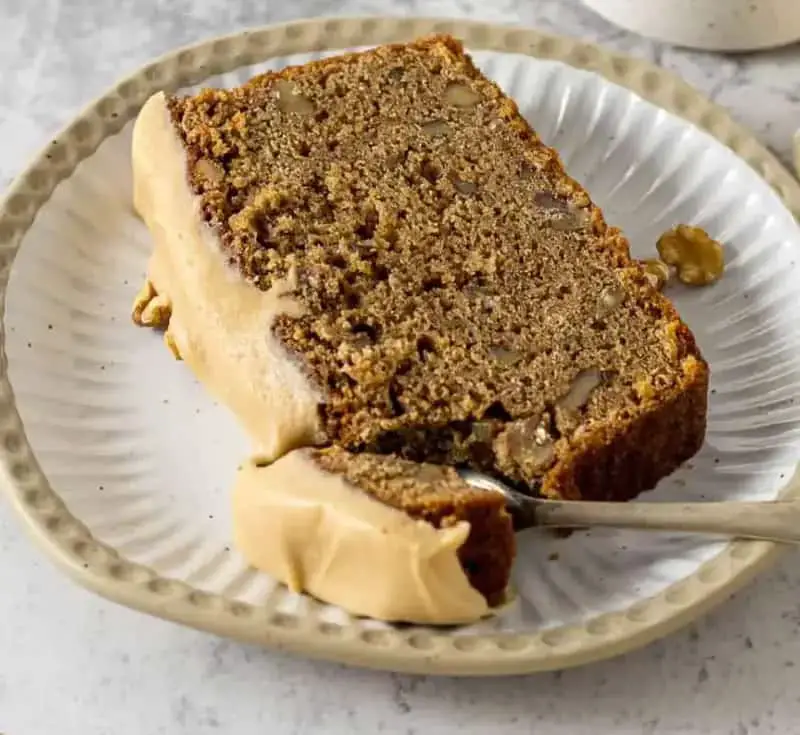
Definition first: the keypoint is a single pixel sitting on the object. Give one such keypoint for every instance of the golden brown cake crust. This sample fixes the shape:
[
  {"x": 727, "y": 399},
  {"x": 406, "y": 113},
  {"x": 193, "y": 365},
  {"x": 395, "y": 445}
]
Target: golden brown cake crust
[{"x": 465, "y": 300}]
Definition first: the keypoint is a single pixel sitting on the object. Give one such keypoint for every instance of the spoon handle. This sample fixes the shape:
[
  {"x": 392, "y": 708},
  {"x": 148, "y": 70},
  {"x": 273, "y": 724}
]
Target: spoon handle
[{"x": 773, "y": 521}]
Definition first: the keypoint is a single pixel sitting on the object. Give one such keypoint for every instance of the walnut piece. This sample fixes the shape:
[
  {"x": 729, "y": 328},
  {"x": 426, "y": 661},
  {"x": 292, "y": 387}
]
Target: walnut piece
[
  {"x": 566, "y": 217},
  {"x": 610, "y": 299},
  {"x": 150, "y": 309},
  {"x": 436, "y": 128},
  {"x": 461, "y": 95},
  {"x": 697, "y": 258},
  {"x": 547, "y": 200},
  {"x": 526, "y": 444},
  {"x": 504, "y": 355},
  {"x": 568, "y": 407},
  {"x": 143, "y": 298},
  {"x": 657, "y": 272},
  {"x": 290, "y": 100},
  {"x": 465, "y": 187},
  {"x": 581, "y": 389}
]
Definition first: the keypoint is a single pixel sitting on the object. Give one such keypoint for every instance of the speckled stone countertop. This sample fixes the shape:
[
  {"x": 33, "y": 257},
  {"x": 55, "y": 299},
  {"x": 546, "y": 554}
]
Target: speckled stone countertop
[{"x": 74, "y": 664}]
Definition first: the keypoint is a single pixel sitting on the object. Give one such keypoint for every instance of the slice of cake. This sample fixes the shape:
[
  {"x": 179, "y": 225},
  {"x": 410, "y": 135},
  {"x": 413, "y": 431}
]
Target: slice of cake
[
  {"x": 375, "y": 251},
  {"x": 377, "y": 535}
]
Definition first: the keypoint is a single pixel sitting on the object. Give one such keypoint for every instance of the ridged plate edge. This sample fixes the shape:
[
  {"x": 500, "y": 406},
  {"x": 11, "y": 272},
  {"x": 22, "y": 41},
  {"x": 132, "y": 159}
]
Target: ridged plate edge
[{"x": 104, "y": 571}]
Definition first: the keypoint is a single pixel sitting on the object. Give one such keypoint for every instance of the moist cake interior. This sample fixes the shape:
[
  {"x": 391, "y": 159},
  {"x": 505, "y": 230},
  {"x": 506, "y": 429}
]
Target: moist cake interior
[{"x": 464, "y": 301}]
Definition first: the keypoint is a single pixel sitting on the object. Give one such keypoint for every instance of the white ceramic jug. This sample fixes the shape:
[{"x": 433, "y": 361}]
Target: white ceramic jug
[{"x": 714, "y": 25}]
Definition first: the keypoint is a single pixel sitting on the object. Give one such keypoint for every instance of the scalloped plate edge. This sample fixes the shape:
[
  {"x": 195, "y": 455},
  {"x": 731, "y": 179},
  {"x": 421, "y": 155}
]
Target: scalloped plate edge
[{"x": 102, "y": 570}]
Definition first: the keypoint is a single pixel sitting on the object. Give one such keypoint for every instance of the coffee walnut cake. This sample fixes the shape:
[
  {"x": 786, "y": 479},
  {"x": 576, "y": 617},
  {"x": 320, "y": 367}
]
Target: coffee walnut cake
[{"x": 375, "y": 252}]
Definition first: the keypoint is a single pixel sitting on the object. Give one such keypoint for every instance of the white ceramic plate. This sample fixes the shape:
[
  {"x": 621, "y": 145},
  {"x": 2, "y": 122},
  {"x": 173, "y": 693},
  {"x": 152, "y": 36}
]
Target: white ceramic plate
[{"x": 143, "y": 459}]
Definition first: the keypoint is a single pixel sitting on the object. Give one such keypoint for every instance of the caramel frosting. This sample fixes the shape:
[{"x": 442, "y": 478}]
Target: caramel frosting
[
  {"x": 220, "y": 324},
  {"x": 317, "y": 533}
]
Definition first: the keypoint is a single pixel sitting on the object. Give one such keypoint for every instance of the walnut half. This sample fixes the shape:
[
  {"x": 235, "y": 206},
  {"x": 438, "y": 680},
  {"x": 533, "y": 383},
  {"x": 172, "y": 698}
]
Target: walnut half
[
  {"x": 697, "y": 258},
  {"x": 657, "y": 272}
]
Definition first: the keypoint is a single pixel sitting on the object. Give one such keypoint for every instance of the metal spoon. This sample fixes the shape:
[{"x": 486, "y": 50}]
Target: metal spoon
[{"x": 777, "y": 520}]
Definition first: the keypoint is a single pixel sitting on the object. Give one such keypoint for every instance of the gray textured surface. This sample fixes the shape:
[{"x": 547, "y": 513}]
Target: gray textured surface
[{"x": 75, "y": 664}]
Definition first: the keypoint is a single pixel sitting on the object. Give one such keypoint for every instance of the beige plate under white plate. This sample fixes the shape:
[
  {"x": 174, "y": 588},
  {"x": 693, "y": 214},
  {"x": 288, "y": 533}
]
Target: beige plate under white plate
[{"x": 106, "y": 571}]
